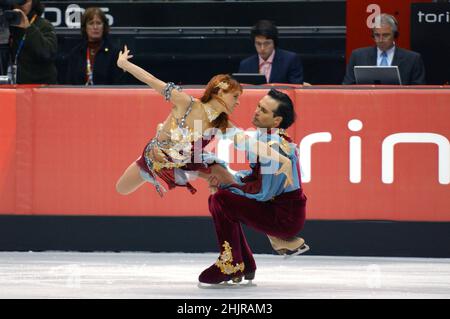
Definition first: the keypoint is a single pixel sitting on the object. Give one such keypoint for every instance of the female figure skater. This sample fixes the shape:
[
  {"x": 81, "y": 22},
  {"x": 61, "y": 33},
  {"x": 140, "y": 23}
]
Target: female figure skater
[{"x": 176, "y": 153}]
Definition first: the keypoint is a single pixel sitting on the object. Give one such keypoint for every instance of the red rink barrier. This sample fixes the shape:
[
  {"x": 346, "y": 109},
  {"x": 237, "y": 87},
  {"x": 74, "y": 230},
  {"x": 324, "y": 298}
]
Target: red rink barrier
[{"x": 372, "y": 154}]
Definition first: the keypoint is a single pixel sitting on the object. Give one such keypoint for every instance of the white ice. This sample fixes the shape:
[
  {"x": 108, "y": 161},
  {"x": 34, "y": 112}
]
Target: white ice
[{"x": 174, "y": 275}]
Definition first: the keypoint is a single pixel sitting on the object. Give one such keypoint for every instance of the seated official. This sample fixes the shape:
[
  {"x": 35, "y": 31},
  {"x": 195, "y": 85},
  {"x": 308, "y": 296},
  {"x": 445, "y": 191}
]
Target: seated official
[
  {"x": 93, "y": 60},
  {"x": 386, "y": 53},
  {"x": 279, "y": 66}
]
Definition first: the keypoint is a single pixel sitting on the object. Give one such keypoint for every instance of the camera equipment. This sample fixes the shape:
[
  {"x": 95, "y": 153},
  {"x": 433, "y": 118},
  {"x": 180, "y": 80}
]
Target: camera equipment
[{"x": 7, "y": 17}]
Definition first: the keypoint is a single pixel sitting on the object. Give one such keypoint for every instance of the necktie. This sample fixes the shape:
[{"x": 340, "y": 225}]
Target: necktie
[
  {"x": 264, "y": 69},
  {"x": 384, "y": 61}
]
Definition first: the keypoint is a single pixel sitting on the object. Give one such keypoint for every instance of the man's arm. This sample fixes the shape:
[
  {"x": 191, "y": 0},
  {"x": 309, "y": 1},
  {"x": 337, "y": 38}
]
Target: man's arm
[
  {"x": 349, "y": 77},
  {"x": 295, "y": 72},
  {"x": 249, "y": 65},
  {"x": 418, "y": 71},
  {"x": 264, "y": 151},
  {"x": 241, "y": 67}
]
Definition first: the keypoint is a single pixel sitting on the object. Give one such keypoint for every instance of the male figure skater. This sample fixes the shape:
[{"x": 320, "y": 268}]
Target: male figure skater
[{"x": 259, "y": 198}]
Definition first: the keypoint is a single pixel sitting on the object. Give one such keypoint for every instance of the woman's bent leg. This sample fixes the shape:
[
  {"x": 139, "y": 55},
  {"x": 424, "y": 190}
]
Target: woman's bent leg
[{"x": 130, "y": 180}]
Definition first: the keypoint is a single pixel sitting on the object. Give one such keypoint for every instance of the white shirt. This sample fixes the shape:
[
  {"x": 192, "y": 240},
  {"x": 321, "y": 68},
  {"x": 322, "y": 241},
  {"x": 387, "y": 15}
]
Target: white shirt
[{"x": 265, "y": 67}]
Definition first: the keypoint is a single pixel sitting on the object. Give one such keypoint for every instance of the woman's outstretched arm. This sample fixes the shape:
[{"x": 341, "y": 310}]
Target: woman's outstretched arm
[{"x": 178, "y": 98}]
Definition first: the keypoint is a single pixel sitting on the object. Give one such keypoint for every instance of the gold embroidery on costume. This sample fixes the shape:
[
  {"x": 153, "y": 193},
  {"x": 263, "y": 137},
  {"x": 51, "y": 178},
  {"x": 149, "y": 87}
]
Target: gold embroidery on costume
[
  {"x": 285, "y": 145},
  {"x": 224, "y": 262},
  {"x": 157, "y": 166},
  {"x": 211, "y": 113}
]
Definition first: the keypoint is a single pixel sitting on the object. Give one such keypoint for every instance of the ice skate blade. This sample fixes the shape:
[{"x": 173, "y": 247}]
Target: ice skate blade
[
  {"x": 299, "y": 251},
  {"x": 226, "y": 285}
]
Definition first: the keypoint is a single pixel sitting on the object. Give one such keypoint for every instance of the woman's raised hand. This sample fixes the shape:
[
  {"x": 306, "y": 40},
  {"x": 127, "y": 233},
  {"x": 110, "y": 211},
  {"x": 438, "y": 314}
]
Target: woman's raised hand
[
  {"x": 123, "y": 58},
  {"x": 213, "y": 184},
  {"x": 286, "y": 169}
]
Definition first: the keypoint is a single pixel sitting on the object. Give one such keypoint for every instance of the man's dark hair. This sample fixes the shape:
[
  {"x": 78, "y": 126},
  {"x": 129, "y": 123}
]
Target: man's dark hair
[
  {"x": 267, "y": 29},
  {"x": 285, "y": 108}
]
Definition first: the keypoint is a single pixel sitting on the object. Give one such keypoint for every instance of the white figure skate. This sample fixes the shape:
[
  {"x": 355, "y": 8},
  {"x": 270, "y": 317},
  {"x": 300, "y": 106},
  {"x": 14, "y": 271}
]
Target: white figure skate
[{"x": 288, "y": 247}]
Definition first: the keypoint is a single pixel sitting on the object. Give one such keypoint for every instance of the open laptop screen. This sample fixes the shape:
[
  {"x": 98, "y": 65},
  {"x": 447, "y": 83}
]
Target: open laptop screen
[
  {"x": 250, "y": 78},
  {"x": 377, "y": 75}
]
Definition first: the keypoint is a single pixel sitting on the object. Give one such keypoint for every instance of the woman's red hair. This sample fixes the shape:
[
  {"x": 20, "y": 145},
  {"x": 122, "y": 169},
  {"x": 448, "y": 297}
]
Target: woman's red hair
[{"x": 211, "y": 91}]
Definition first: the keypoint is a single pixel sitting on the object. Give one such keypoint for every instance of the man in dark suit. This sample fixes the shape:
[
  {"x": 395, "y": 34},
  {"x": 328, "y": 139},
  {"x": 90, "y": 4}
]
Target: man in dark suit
[
  {"x": 279, "y": 66},
  {"x": 385, "y": 53}
]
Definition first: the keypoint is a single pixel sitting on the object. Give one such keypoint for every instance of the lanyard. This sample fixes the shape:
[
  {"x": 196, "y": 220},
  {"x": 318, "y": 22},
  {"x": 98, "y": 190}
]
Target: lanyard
[
  {"x": 22, "y": 42},
  {"x": 89, "y": 71}
]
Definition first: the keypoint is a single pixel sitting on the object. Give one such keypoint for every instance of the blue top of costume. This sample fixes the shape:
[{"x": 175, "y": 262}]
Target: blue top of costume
[{"x": 271, "y": 185}]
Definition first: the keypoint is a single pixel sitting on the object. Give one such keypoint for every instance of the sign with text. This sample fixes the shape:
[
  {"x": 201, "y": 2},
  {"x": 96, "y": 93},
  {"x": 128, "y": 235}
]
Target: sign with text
[
  {"x": 365, "y": 154},
  {"x": 430, "y": 34}
]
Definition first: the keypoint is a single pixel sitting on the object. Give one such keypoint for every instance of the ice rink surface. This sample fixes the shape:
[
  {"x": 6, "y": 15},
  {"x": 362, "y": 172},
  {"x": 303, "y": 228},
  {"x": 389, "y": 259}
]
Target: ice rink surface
[{"x": 174, "y": 276}]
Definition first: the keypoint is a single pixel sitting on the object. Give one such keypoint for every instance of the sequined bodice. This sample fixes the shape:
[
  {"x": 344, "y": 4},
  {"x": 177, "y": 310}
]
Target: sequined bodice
[{"x": 177, "y": 146}]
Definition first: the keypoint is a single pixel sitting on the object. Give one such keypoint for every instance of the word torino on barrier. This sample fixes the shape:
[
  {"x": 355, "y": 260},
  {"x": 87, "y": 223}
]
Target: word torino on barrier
[{"x": 365, "y": 154}]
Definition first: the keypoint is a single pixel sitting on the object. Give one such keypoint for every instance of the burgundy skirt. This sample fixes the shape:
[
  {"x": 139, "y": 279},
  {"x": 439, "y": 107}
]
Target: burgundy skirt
[{"x": 168, "y": 174}]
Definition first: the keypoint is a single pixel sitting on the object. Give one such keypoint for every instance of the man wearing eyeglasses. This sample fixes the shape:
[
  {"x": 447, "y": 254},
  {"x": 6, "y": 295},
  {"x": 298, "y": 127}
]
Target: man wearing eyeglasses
[
  {"x": 386, "y": 53},
  {"x": 279, "y": 66}
]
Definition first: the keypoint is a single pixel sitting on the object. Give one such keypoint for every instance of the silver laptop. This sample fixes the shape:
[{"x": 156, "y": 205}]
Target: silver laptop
[
  {"x": 377, "y": 75},
  {"x": 250, "y": 78}
]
